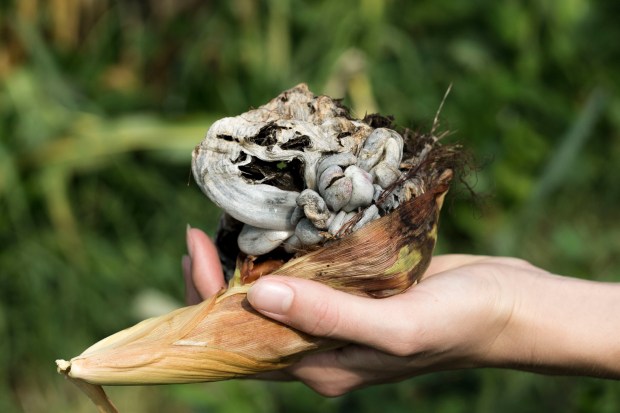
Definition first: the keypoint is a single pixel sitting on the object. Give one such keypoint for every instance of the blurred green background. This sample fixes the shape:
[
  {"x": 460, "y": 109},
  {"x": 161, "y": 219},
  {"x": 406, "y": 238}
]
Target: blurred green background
[{"x": 101, "y": 103}]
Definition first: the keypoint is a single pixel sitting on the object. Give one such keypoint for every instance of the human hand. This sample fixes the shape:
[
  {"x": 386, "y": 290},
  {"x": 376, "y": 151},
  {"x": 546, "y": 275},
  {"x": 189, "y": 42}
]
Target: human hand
[
  {"x": 466, "y": 311},
  {"x": 453, "y": 318}
]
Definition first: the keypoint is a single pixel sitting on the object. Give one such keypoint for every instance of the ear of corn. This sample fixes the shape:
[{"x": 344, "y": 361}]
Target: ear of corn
[{"x": 224, "y": 337}]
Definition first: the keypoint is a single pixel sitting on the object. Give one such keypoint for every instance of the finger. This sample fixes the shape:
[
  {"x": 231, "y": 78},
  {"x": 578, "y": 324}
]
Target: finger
[
  {"x": 191, "y": 295},
  {"x": 339, "y": 371},
  {"x": 518, "y": 263},
  {"x": 206, "y": 270},
  {"x": 326, "y": 374},
  {"x": 322, "y": 311}
]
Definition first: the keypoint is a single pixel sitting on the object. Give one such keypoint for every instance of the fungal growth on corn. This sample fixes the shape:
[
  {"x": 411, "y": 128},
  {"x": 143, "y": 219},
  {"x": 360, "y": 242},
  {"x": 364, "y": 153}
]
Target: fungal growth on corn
[
  {"x": 299, "y": 172},
  {"x": 306, "y": 191}
]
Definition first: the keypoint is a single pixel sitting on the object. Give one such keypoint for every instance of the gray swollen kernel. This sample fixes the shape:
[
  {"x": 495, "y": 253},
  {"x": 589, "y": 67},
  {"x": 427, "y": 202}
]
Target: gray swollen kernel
[
  {"x": 370, "y": 214},
  {"x": 315, "y": 208},
  {"x": 343, "y": 160},
  {"x": 385, "y": 174},
  {"x": 292, "y": 245},
  {"x": 259, "y": 241},
  {"x": 341, "y": 222},
  {"x": 363, "y": 190},
  {"x": 338, "y": 194},
  {"x": 307, "y": 233},
  {"x": 329, "y": 176},
  {"x": 372, "y": 151},
  {"x": 337, "y": 223},
  {"x": 378, "y": 192},
  {"x": 298, "y": 213},
  {"x": 381, "y": 155}
]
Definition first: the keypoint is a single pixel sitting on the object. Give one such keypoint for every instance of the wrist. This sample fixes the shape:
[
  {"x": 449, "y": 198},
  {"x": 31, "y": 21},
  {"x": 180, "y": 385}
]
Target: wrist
[
  {"x": 562, "y": 325},
  {"x": 507, "y": 336}
]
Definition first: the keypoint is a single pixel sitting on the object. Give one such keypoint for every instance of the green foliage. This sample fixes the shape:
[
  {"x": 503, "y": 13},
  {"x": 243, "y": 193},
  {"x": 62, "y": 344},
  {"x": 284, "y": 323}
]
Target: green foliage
[{"x": 102, "y": 102}]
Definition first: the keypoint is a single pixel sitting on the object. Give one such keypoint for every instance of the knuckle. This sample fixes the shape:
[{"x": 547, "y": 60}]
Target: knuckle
[
  {"x": 400, "y": 347},
  {"x": 513, "y": 262},
  {"x": 329, "y": 391},
  {"x": 406, "y": 340},
  {"x": 517, "y": 262},
  {"x": 332, "y": 388},
  {"x": 324, "y": 319},
  {"x": 338, "y": 391}
]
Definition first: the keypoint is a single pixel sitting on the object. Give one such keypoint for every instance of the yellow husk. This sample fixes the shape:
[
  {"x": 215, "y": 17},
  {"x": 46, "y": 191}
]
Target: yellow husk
[{"x": 206, "y": 342}]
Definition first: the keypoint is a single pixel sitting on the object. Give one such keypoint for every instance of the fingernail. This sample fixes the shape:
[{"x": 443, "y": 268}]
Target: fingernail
[
  {"x": 271, "y": 296},
  {"x": 188, "y": 240}
]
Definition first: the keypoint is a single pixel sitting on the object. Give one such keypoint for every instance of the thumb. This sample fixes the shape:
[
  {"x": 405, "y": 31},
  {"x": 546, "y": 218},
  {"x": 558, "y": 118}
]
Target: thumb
[
  {"x": 319, "y": 310},
  {"x": 206, "y": 270}
]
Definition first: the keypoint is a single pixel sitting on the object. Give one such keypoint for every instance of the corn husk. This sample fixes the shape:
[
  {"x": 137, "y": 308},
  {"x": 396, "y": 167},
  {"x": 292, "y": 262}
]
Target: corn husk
[{"x": 224, "y": 338}]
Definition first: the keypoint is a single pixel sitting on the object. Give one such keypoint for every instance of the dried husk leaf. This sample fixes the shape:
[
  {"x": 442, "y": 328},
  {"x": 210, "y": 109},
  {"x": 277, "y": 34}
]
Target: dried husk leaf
[
  {"x": 216, "y": 340},
  {"x": 206, "y": 342}
]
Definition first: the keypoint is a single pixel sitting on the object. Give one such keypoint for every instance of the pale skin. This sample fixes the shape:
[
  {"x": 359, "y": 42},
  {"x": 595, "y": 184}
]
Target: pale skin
[{"x": 466, "y": 312}]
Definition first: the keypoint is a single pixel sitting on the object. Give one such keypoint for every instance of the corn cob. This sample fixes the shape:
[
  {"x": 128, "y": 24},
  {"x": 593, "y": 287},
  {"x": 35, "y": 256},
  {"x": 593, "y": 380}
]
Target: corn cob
[{"x": 209, "y": 341}]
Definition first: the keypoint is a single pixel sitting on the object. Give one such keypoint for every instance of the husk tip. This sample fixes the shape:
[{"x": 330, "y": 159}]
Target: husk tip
[{"x": 63, "y": 366}]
